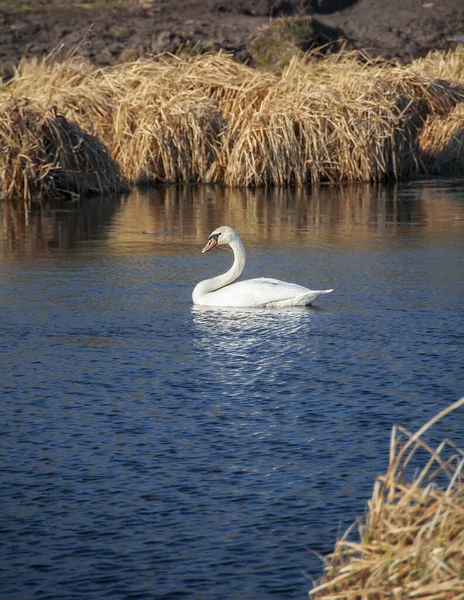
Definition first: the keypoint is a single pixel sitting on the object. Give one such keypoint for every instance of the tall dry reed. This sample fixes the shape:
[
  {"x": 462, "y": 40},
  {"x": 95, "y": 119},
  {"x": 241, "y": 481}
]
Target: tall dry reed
[
  {"x": 411, "y": 543},
  {"x": 231, "y": 86},
  {"x": 44, "y": 155},
  {"x": 445, "y": 66},
  {"x": 157, "y": 129},
  {"x": 210, "y": 119},
  {"x": 441, "y": 140},
  {"x": 334, "y": 120},
  {"x": 167, "y": 140}
]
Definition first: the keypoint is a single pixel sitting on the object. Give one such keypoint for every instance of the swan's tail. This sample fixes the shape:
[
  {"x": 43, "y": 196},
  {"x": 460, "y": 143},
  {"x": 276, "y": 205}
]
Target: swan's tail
[
  {"x": 308, "y": 299},
  {"x": 305, "y": 299}
]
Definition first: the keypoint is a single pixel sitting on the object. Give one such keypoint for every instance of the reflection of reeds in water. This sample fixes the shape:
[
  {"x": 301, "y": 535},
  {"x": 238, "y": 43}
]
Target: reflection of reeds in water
[
  {"x": 436, "y": 206},
  {"x": 412, "y": 539},
  {"x": 347, "y": 214},
  {"x": 278, "y": 214},
  {"x": 210, "y": 119},
  {"x": 34, "y": 229}
]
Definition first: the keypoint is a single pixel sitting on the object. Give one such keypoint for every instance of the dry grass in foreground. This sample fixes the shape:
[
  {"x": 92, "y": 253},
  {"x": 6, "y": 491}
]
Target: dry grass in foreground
[
  {"x": 209, "y": 119},
  {"x": 412, "y": 540}
]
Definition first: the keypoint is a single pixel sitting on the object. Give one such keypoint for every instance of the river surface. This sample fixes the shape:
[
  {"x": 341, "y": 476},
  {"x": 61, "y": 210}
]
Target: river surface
[{"x": 152, "y": 450}]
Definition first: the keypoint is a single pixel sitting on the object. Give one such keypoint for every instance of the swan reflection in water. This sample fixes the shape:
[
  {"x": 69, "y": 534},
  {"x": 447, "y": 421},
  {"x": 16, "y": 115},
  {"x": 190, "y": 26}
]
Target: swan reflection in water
[
  {"x": 255, "y": 354},
  {"x": 251, "y": 346}
]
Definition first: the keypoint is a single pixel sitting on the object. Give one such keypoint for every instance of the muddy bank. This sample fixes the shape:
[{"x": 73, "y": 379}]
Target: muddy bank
[{"x": 113, "y": 31}]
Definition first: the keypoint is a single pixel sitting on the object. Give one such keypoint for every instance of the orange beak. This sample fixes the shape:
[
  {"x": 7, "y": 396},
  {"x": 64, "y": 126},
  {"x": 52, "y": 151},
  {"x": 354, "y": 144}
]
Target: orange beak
[{"x": 211, "y": 243}]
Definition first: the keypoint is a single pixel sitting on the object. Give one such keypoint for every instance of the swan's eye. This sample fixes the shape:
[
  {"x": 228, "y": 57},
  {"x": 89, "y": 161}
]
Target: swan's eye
[{"x": 212, "y": 241}]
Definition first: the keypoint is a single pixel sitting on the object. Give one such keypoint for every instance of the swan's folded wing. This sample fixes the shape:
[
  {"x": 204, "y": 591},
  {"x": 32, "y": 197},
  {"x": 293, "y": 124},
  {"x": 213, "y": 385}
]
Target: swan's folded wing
[
  {"x": 258, "y": 292},
  {"x": 290, "y": 294}
]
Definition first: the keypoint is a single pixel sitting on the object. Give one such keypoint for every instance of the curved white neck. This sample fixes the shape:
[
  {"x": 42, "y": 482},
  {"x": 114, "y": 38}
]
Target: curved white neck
[{"x": 215, "y": 283}]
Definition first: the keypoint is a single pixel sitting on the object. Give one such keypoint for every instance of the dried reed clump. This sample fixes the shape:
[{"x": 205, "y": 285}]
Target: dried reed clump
[
  {"x": 337, "y": 119},
  {"x": 412, "y": 542},
  {"x": 72, "y": 87},
  {"x": 329, "y": 141},
  {"x": 356, "y": 75},
  {"x": 230, "y": 86},
  {"x": 313, "y": 127},
  {"x": 163, "y": 129},
  {"x": 43, "y": 75},
  {"x": 210, "y": 119},
  {"x": 44, "y": 155},
  {"x": 441, "y": 142},
  {"x": 152, "y": 114},
  {"x": 446, "y": 66},
  {"x": 167, "y": 140}
]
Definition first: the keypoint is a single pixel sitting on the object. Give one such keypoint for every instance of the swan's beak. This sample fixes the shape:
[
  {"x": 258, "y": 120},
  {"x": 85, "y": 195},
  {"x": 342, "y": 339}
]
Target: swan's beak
[{"x": 211, "y": 243}]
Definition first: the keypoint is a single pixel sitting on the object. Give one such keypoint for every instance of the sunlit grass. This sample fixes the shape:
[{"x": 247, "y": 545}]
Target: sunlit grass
[
  {"x": 43, "y": 155},
  {"x": 411, "y": 542},
  {"x": 210, "y": 119}
]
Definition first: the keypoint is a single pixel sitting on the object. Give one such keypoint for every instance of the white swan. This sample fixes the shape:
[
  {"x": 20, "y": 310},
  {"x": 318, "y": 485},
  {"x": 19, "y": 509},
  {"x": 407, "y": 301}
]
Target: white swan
[{"x": 220, "y": 291}]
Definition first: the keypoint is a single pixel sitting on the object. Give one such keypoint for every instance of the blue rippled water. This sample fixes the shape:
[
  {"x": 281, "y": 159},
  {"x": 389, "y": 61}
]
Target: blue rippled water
[{"x": 155, "y": 450}]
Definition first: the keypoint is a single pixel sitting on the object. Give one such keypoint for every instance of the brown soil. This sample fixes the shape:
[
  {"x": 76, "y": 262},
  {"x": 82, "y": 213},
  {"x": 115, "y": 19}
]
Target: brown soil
[{"x": 109, "y": 31}]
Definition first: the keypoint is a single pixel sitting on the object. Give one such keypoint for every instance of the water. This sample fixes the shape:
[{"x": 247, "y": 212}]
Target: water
[{"x": 151, "y": 449}]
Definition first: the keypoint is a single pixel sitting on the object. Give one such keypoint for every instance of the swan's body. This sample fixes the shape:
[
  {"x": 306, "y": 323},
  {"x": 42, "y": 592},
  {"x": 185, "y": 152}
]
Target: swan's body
[{"x": 261, "y": 292}]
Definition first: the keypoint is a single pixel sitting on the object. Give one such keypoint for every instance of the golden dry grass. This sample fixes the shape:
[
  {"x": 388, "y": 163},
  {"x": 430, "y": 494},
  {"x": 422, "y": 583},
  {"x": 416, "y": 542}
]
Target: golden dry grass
[
  {"x": 44, "y": 155},
  {"x": 448, "y": 66},
  {"x": 412, "y": 539},
  {"x": 230, "y": 86},
  {"x": 441, "y": 142},
  {"x": 173, "y": 140},
  {"x": 210, "y": 119},
  {"x": 337, "y": 119}
]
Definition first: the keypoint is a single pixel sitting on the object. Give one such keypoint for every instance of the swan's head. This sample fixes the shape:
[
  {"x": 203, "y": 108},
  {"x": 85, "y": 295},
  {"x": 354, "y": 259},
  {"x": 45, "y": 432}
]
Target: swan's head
[{"x": 221, "y": 235}]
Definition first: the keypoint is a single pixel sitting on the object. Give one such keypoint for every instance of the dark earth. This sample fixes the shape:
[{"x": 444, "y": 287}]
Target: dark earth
[{"x": 111, "y": 31}]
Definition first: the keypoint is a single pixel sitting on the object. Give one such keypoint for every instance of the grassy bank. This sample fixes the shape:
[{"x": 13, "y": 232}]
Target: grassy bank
[
  {"x": 411, "y": 542},
  {"x": 210, "y": 119}
]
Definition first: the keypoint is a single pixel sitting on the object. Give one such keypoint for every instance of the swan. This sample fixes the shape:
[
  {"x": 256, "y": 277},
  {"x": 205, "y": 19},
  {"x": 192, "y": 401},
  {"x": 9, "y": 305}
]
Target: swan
[{"x": 261, "y": 292}]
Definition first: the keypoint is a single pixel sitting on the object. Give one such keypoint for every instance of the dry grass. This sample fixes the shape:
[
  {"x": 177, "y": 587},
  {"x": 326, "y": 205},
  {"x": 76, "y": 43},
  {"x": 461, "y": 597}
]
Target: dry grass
[
  {"x": 232, "y": 87},
  {"x": 441, "y": 142},
  {"x": 73, "y": 87},
  {"x": 412, "y": 541},
  {"x": 448, "y": 66},
  {"x": 210, "y": 119},
  {"x": 338, "y": 119},
  {"x": 173, "y": 140},
  {"x": 44, "y": 155}
]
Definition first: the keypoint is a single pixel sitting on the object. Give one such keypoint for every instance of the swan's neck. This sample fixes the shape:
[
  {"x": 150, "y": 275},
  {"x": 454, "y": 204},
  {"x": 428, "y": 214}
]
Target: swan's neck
[{"x": 210, "y": 285}]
